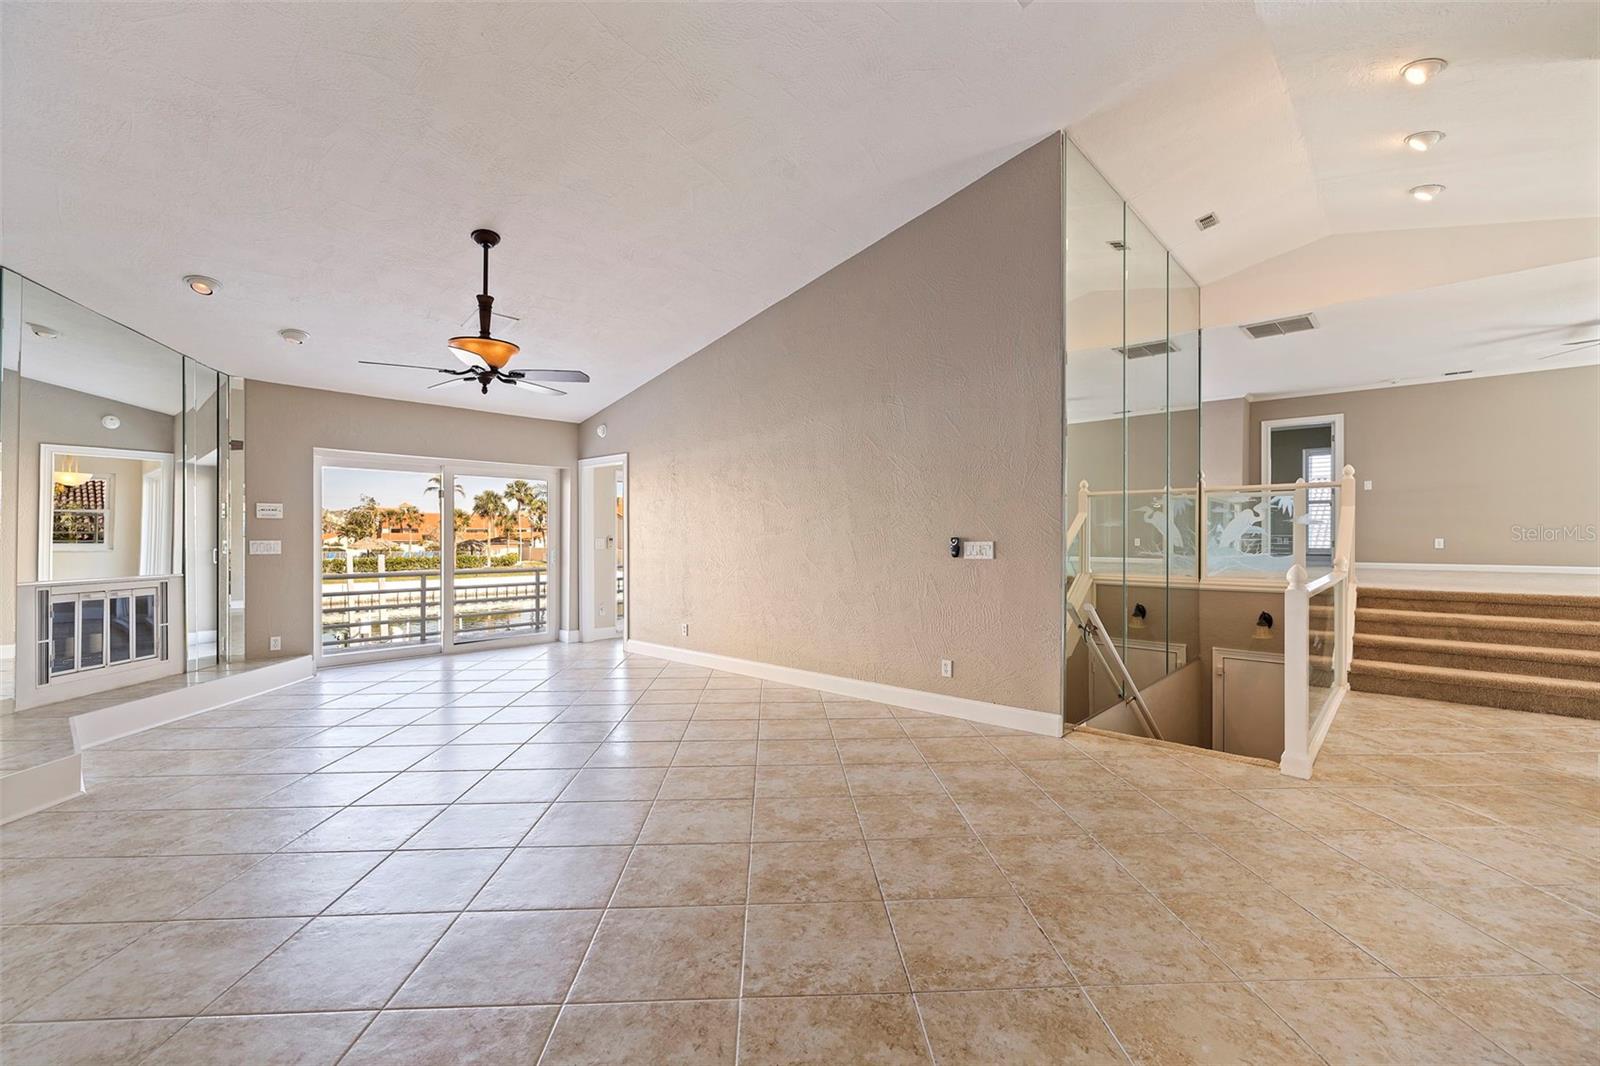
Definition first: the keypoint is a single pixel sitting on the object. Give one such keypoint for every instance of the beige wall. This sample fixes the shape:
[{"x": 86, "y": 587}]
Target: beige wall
[
  {"x": 287, "y": 423},
  {"x": 793, "y": 486},
  {"x": 1224, "y": 440},
  {"x": 1469, "y": 461}
]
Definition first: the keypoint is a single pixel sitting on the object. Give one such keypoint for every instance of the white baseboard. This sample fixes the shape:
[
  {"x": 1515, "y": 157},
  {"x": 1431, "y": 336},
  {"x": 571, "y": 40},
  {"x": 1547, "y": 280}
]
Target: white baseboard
[
  {"x": 1482, "y": 568},
  {"x": 569, "y": 636},
  {"x": 1022, "y": 718},
  {"x": 135, "y": 716},
  {"x": 37, "y": 788}
]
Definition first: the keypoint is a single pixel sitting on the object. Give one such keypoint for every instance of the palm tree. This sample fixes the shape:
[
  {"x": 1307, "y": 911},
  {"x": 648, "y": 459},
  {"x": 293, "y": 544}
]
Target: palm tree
[
  {"x": 520, "y": 496},
  {"x": 490, "y": 505},
  {"x": 407, "y": 518}
]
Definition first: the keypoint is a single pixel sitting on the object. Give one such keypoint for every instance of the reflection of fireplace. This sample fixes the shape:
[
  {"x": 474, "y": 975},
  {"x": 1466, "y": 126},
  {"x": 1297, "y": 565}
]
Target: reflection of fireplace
[{"x": 100, "y": 629}]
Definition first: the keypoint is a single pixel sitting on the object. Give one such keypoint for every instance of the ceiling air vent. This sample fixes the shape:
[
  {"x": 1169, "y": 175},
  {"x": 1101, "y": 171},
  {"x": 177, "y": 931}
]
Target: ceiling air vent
[
  {"x": 1280, "y": 326},
  {"x": 1147, "y": 349},
  {"x": 1207, "y": 220}
]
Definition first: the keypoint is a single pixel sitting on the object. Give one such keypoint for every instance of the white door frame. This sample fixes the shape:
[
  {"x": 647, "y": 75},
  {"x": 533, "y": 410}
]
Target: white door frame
[
  {"x": 1264, "y": 468},
  {"x": 553, "y": 476},
  {"x": 587, "y": 630}
]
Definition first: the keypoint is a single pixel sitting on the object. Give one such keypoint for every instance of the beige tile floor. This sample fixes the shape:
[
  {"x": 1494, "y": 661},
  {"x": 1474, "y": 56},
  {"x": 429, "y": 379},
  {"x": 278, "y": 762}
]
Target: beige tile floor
[{"x": 555, "y": 854}]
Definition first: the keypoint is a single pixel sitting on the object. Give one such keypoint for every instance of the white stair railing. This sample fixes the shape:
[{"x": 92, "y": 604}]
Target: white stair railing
[{"x": 1312, "y": 691}]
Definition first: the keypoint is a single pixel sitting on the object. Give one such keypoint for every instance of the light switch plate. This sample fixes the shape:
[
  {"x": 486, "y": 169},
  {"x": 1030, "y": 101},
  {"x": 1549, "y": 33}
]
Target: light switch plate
[
  {"x": 266, "y": 547},
  {"x": 1438, "y": 544},
  {"x": 977, "y": 549},
  {"x": 269, "y": 510}
]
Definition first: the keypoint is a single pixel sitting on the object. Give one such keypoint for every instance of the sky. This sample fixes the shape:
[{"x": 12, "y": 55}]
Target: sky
[{"x": 343, "y": 487}]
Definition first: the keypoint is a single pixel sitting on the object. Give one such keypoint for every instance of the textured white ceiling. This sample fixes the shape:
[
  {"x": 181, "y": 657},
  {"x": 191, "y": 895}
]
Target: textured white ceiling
[{"x": 661, "y": 173}]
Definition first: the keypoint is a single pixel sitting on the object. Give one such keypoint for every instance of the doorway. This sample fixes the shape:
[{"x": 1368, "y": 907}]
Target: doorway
[
  {"x": 603, "y": 539},
  {"x": 1311, "y": 448},
  {"x": 432, "y": 555}
]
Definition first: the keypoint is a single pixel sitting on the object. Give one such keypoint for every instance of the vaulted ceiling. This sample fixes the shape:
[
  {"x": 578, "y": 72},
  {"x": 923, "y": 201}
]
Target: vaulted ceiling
[{"x": 661, "y": 173}]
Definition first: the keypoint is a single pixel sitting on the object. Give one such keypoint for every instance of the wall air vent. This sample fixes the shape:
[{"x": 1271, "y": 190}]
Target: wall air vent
[
  {"x": 1280, "y": 326},
  {"x": 1119, "y": 246},
  {"x": 1147, "y": 349},
  {"x": 1206, "y": 221}
]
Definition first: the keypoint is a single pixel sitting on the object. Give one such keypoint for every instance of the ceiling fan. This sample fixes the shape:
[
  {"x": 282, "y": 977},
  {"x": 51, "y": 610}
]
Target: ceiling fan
[{"x": 486, "y": 356}]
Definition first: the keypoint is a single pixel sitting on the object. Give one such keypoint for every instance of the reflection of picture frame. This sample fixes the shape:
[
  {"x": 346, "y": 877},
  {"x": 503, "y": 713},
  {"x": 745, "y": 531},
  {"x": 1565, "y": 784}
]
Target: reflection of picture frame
[
  {"x": 156, "y": 520},
  {"x": 81, "y": 516}
]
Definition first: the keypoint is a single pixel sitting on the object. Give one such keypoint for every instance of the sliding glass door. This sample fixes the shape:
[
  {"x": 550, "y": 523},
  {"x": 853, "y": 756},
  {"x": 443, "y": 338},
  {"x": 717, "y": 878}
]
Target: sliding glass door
[
  {"x": 500, "y": 585},
  {"x": 432, "y": 555}
]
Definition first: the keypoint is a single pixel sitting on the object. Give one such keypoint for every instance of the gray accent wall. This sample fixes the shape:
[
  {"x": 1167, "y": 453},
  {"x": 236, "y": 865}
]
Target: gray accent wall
[{"x": 794, "y": 485}]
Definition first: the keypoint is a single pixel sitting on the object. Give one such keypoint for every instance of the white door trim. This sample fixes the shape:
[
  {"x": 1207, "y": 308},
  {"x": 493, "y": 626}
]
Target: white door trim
[
  {"x": 1264, "y": 466},
  {"x": 587, "y": 630}
]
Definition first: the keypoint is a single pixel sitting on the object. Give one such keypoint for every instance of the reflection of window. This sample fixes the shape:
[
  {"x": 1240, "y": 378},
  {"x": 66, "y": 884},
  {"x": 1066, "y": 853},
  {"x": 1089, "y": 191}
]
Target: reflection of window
[{"x": 81, "y": 514}]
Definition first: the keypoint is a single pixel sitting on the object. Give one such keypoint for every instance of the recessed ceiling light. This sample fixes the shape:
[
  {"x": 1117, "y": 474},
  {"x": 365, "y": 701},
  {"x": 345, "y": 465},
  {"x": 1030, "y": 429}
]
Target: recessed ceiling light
[
  {"x": 1424, "y": 140},
  {"x": 1418, "y": 71},
  {"x": 44, "y": 333},
  {"x": 1426, "y": 192},
  {"x": 201, "y": 284},
  {"x": 294, "y": 336}
]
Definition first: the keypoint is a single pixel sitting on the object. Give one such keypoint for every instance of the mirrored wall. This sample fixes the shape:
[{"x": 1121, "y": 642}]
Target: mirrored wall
[
  {"x": 1132, "y": 451},
  {"x": 121, "y": 483}
]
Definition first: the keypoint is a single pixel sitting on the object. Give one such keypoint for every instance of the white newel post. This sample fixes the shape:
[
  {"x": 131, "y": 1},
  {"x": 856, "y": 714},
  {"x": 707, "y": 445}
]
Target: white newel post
[
  {"x": 1296, "y": 760},
  {"x": 1300, "y": 522},
  {"x": 1346, "y": 561},
  {"x": 1088, "y": 527}
]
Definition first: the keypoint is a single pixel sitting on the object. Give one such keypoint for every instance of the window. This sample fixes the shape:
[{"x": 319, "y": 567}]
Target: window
[
  {"x": 80, "y": 515},
  {"x": 1317, "y": 464}
]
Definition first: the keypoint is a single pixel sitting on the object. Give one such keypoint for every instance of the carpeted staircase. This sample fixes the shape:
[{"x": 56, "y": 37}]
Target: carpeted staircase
[{"x": 1522, "y": 651}]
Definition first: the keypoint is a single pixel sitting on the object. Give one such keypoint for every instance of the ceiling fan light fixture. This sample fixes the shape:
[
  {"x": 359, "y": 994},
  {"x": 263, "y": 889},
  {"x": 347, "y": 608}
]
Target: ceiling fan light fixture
[
  {"x": 489, "y": 350},
  {"x": 492, "y": 351}
]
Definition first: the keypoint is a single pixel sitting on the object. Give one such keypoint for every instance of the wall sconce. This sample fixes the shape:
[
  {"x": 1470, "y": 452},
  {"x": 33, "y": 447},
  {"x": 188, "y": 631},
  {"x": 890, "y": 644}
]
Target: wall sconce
[
  {"x": 1136, "y": 619},
  {"x": 1263, "y": 626}
]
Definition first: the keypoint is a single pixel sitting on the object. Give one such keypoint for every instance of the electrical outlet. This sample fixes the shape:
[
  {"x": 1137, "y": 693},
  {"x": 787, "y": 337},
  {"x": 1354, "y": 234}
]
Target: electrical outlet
[
  {"x": 275, "y": 644},
  {"x": 947, "y": 668},
  {"x": 1438, "y": 544},
  {"x": 685, "y": 629}
]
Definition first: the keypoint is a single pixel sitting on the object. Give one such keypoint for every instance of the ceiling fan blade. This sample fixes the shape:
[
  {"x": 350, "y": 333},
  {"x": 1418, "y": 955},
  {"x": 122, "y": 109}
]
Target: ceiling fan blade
[
  {"x": 1591, "y": 340},
  {"x": 535, "y": 385},
  {"x": 1580, "y": 345},
  {"x": 449, "y": 381},
  {"x": 551, "y": 375},
  {"x": 409, "y": 366}
]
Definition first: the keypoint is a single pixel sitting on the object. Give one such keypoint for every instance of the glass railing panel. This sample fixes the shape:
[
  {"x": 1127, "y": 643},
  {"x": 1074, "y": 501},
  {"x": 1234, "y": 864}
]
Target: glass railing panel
[
  {"x": 1323, "y": 650},
  {"x": 1249, "y": 532},
  {"x": 1105, "y": 533}
]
